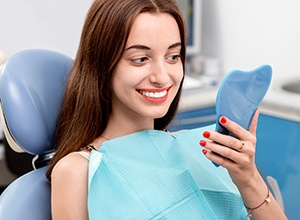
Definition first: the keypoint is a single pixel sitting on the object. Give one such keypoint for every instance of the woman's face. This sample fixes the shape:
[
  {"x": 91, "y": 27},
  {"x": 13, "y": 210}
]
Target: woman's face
[{"x": 148, "y": 76}]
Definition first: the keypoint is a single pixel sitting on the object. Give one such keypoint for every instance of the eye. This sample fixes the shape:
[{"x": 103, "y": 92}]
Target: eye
[
  {"x": 173, "y": 58},
  {"x": 139, "y": 60}
]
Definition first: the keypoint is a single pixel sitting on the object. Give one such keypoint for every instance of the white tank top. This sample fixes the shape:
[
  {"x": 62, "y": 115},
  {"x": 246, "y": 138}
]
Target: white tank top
[{"x": 86, "y": 155}]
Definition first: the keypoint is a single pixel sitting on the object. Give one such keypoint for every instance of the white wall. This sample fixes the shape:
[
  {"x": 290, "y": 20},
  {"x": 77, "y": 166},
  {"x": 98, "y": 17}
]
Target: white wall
[
  {"x": 245, "y": 34},
  {"x": 54, "y": 24},
  {"x": 242, "y": 33}
]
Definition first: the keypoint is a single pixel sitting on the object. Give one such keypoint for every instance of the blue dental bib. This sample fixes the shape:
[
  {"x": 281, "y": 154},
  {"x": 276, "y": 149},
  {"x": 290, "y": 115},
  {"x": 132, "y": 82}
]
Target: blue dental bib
[{"x": 155, "y": 175}]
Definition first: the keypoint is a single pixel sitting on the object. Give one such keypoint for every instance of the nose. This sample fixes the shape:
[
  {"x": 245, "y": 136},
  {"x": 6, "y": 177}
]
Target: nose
[{"x": 159, "y": 74}]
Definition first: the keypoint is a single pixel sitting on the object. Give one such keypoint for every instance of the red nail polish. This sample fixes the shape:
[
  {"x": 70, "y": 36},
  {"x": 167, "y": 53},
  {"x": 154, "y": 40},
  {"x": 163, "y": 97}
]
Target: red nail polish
[
  {"x": 203, "y": 143},
  {"x": 204, "y": 151},
  {"x": 206, "y": 134},
  {"x": 223, "y": 120}
]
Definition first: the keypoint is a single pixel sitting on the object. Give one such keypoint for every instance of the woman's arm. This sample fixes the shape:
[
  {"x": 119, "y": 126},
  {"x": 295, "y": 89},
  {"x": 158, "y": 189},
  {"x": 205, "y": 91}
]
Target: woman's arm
[
  {"x": 238, "y": 158},
  {"x": 69, "y": 188}
]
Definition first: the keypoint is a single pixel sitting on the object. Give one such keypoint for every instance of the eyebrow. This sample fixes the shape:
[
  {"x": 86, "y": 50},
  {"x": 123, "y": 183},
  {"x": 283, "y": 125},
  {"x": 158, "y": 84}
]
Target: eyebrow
[{"x": 143, "y": 47}]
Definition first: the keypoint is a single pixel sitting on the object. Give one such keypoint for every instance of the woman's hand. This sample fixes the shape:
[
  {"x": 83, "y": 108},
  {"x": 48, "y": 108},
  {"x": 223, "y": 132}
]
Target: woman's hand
[{"x": 236, "y": 154}]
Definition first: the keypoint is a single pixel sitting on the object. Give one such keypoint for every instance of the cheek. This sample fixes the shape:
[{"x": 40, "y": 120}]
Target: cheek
[
  {"x": 127, "y": 75},
  {"x": 178, "y": 75},
  {"x": 126, "y": 82}
]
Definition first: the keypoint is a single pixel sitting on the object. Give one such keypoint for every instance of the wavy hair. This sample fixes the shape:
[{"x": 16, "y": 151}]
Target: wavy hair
[{"x": 87, "y": 106}]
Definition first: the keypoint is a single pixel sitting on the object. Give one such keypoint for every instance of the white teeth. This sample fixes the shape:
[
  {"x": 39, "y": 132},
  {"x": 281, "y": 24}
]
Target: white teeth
[{"x": 155, "y": 95}]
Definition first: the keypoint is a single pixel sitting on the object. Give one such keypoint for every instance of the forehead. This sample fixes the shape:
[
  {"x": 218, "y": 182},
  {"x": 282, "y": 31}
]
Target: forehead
[{"x": 154, "y": 28}]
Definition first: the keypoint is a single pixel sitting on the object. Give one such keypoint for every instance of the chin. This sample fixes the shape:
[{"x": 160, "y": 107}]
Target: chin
[{"x": 160, "y": 115}]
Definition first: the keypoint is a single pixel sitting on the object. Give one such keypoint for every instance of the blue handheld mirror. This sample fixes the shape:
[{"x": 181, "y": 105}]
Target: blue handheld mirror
[{"x": 240, "y": 94}]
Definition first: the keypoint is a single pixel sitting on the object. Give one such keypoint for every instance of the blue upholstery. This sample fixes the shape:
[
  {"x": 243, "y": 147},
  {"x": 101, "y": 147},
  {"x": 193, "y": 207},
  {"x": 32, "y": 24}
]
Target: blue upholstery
[
  {"x": 32, "y": 84},
  {"x": 28, "y": 197}
]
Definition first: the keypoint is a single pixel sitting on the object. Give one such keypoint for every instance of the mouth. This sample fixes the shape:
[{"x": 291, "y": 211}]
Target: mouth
[{"x": 154, "y": 94}]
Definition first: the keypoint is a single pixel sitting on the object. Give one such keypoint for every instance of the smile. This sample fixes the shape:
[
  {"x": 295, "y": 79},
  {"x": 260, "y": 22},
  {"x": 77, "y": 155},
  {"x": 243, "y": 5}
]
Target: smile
[{"x": 154, "y": 95}]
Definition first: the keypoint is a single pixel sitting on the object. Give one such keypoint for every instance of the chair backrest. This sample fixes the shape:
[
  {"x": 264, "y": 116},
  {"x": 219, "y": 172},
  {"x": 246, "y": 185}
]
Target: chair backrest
[{"x": 32, "y": 85}]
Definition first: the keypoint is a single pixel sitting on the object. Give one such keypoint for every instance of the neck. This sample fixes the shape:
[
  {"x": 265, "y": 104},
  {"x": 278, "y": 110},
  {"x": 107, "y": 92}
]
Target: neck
[
  {"x": 118, "y": 127},
  {"x": 124, "y": 126}
]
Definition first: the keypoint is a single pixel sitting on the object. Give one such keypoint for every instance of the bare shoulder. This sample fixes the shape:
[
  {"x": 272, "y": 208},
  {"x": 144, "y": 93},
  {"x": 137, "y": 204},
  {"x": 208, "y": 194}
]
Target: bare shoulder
[
  {"x": 71, "y": 166},
  {"x": 69, "y": 187}
]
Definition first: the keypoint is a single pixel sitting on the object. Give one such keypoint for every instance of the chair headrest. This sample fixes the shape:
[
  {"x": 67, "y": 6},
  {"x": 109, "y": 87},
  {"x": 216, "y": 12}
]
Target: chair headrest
[{"x": 32, "y": 86}]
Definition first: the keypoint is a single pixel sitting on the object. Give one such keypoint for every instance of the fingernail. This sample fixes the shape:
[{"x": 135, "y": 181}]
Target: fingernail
[
  {"x": 202, "y": 143},
  {"x": 204, "y": 151},
  {"x": 206, "y": 134},
  {"x": 223, "y": 120}
]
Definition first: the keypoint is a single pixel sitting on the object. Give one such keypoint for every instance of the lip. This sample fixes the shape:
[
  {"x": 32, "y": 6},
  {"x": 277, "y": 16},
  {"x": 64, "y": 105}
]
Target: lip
[{"x": 154, "y": 99}]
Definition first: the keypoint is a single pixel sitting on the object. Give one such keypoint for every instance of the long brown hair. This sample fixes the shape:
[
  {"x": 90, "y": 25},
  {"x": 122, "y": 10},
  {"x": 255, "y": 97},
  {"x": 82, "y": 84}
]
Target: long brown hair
[{"x": 86, "y": 107}]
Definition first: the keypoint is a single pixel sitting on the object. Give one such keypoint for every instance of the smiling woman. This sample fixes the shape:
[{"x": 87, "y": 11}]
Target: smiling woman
[
  {"x": 114, "y": 158},
  {"x": 121, "y": 84},
  {"x": 148, "y": 76}
]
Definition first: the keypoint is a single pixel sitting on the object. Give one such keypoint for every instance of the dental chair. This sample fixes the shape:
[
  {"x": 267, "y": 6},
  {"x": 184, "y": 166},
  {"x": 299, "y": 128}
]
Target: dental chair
[{"x": 32, "y": 85}]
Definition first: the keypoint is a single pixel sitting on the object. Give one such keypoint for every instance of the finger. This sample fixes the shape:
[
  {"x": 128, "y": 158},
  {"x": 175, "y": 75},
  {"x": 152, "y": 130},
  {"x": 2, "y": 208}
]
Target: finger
[
  {"x": 222, "y": 155},
  {"x": 253, "y": 125},
  {"x": 226, "y": 156},
  {"x": 237, "y": 130},
  {"x": 222, "y": 141},
  {"x": 241, "y": 147}
]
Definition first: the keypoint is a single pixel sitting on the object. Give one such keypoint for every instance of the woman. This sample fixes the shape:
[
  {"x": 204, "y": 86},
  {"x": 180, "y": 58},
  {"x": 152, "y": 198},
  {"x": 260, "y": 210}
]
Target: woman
[{"x": 127, "y": 78}]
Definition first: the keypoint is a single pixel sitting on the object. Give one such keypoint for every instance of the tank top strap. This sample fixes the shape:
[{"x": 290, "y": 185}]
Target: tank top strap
[{"x": 86, "y": 155}]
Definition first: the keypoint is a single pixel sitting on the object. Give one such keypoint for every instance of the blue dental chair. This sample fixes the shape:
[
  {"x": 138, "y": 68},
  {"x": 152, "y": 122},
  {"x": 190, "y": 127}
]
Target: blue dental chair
[{"x": 32, "y": 85}]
